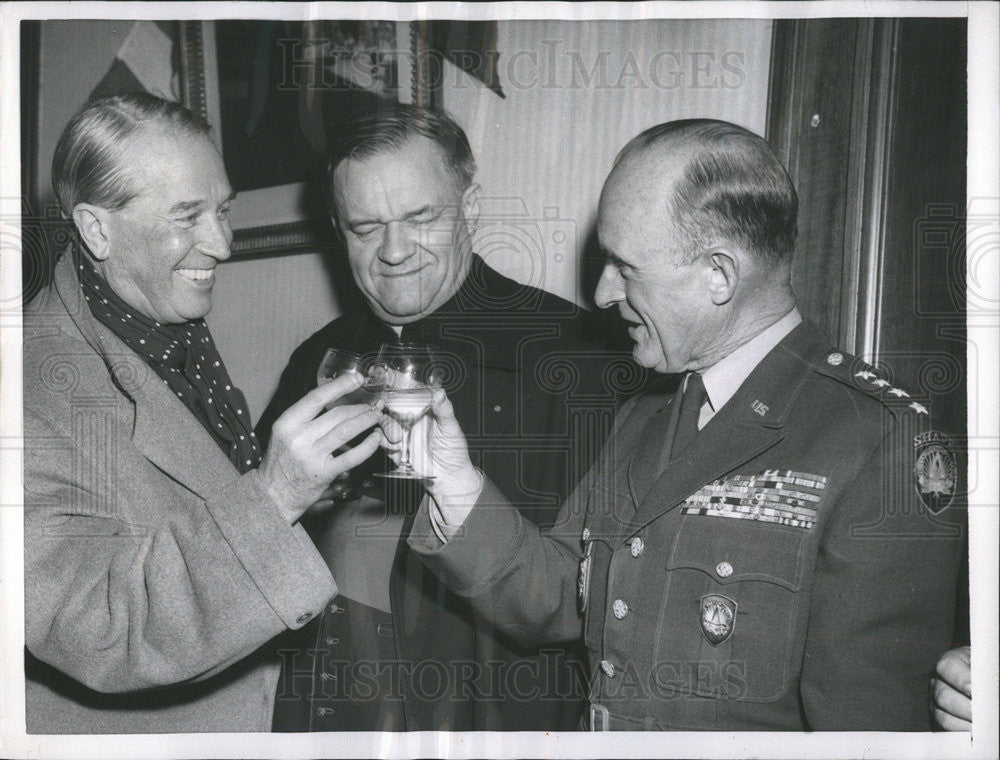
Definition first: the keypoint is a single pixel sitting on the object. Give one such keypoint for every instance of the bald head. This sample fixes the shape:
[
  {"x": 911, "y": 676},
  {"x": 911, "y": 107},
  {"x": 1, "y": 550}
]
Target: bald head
[{"x": 716, "y": 182}]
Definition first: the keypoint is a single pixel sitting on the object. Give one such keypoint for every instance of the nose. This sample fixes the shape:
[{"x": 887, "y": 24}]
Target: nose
[
  {"x": 609, "y": 288},
  {"x": 397, "y": 245},
  {"x": 216, "y": 238}
]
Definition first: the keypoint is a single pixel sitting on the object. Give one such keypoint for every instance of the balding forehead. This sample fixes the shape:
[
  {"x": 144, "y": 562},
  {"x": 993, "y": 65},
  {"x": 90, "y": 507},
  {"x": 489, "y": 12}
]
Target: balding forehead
[{"x": 648, "y": 173}]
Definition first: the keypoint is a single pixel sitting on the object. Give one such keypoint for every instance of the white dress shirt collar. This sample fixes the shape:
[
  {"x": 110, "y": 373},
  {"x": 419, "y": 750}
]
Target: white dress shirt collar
[{"x": 725, "y": 377}]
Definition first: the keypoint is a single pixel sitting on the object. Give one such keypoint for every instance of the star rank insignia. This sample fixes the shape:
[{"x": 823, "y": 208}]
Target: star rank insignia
[
  {"x": 718, "y": 618},
  {"x": 935, "y": 470}
]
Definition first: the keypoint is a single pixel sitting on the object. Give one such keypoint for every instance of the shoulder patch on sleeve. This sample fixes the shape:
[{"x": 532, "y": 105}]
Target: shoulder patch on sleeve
[{"x": 935, "y": 470}]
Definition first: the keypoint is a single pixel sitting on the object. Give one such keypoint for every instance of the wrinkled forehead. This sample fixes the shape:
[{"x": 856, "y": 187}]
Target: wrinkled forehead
[{"x": 417, "y": 167}]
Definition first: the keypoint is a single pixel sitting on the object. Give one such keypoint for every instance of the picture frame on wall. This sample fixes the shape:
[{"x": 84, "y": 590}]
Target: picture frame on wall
[{"x": 273, "y": 91}]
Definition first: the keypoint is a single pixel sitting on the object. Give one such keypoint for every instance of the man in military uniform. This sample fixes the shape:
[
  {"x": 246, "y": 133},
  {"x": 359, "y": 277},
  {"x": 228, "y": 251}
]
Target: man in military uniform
[{"x": 772, "y": 547}]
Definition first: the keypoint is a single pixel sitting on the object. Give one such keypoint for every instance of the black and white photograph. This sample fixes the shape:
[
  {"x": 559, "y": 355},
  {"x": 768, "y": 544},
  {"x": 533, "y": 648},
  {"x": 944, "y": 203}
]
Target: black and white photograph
[{"x": 499, "y": 380}]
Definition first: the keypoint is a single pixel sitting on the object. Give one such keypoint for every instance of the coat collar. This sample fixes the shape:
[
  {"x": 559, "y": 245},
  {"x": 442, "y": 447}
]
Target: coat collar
[
  {"x": 749, "y": 424},
  {"x": 166, "y": 433}
]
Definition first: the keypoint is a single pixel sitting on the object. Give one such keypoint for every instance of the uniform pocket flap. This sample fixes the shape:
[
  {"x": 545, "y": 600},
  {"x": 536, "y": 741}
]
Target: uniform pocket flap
[{"x": 745, "y": 551}]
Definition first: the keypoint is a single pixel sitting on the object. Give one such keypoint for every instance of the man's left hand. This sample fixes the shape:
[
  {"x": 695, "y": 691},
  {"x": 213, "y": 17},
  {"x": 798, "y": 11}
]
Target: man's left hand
[{"x": 952, "y": 690}]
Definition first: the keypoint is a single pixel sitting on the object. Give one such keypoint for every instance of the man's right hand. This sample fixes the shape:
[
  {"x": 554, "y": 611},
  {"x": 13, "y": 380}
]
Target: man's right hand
[
  {"x": 299, "y": 463},
  {"x": 440, "y": 453}
]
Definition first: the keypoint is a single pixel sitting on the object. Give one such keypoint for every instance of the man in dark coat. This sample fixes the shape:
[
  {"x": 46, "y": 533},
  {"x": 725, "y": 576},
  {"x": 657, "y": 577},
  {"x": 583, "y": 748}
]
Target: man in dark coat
[
  {"x": 773, "y": 547},
  {"x": 395, "y": 650}
]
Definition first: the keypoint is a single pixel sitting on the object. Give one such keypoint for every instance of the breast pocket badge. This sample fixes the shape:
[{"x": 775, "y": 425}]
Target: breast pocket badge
[{"x": 718, "y": 618}]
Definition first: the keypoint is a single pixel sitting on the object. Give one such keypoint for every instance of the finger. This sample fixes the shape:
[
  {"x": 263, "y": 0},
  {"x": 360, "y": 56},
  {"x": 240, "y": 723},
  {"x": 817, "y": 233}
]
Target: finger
[
  {"x": 347, "y": 429},
  {"x": 360, "y": 453},
  {"x": 954, "y": 669},
  {"x": 950, "y": 722},
  {"x": 949, "y": 701},
  {"x": 310, "y": 405},
  {"x": 319, "y": 429},
  {"x": 441, "y": 405},
  {"x": 393, "y": 430}
]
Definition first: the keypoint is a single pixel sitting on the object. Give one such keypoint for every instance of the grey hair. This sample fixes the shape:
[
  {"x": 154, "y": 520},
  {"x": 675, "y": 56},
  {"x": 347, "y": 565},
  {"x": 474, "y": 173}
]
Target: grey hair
[{"x": 89, "y": 164}]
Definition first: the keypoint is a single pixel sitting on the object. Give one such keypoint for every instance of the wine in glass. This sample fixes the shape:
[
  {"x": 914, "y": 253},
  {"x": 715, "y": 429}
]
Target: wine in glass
[{"x": 411, "y": 377}]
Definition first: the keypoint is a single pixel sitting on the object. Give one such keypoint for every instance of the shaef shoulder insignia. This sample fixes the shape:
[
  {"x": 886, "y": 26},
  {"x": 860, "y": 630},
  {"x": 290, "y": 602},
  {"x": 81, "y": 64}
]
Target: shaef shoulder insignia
[{"x": 935, "y": 470}]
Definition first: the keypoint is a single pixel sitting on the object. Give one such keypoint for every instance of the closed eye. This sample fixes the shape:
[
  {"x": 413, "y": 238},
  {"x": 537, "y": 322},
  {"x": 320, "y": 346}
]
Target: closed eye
[
  {"x": 425, "y": 216},
  {"x": 365, "y": 231}
]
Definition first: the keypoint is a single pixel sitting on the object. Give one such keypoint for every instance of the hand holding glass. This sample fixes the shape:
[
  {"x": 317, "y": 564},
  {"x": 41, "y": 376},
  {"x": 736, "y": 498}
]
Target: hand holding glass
[{"x": 337, "y": 362}]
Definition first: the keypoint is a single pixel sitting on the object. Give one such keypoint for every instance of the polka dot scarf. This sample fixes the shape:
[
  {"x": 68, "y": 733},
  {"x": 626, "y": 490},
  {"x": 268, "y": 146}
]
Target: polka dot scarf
[{"x": 185, "y": 358}]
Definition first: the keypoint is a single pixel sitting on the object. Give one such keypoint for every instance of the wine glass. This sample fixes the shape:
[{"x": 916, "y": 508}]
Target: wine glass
[
  {"x": 412, "y": 374},
  {"x": 337, "y": 362}
]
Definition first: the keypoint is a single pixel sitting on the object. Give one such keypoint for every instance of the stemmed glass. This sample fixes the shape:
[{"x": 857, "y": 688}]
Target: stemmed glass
[
  {"x": 412, "y": 374},
  {"x": 337, "y": 362}
]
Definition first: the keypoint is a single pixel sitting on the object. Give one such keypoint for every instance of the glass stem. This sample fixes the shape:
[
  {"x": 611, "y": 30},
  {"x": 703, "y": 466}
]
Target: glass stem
[{"x": 404, "y": 463}]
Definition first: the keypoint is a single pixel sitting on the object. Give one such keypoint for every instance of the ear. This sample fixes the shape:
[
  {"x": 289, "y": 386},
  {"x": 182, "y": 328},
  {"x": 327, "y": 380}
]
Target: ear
[
  {"x": 92, "y": 222},
  {"x": 470, "y": 207},
  {"x": 724, "y": 276},
  {"x": 338, "y": 230}
]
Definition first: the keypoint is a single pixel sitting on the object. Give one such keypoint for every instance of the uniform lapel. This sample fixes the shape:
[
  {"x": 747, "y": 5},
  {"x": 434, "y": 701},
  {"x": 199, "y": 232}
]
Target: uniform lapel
[
  {"x": 164, "y": 430},
  {"x": 747, "y": 426},
  {"x": 644, "y": 466}
]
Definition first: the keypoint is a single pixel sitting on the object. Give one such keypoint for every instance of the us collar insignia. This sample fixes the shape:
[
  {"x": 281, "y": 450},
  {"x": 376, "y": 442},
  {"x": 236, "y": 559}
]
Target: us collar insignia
[
  {"x": 718, "y": 618},
  {"x": 935, "y": 470}
]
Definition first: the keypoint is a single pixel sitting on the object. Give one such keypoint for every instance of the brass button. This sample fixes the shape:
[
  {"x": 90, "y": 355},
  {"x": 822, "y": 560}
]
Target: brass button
[
  {"x": 586, "y": 534},
  {"x": 619, "y": 608},
  {"x": 303, "y": 617},
  {"x": 608, "y": 668},
  {"x": 835, "y": 359},
  {"x": 724, "y": 569}
]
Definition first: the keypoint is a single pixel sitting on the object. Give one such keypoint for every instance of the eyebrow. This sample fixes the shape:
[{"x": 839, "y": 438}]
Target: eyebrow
[
  {"x": 184, "y": 206},
  {"x": 611, "y": 258},
  {"x": 362, "y": 222}
]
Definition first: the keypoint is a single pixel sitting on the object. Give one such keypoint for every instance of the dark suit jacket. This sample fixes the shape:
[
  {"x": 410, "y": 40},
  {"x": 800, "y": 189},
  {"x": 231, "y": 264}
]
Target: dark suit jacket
[
  {"x": 536, "y": 391},
  {"x": 793, "y": 569}
]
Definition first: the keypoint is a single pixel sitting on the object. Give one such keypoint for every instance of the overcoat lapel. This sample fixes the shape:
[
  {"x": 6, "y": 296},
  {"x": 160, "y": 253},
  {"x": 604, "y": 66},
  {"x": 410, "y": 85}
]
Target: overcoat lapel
[
  {"x": 737, "y": 434},
  {"x": 164, "y": 430}
]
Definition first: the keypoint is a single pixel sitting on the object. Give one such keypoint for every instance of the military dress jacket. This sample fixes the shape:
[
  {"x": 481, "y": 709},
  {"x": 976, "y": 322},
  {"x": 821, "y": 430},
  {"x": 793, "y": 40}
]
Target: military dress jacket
[
  {"x": 536, "y": 393},
  {"x": 154, "y": 570},
  {"x": 793, "y": 569}
]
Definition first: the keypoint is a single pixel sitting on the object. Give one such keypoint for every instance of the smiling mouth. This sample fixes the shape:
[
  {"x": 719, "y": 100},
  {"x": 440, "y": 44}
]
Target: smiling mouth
[
  {"x": 403, "y": 274},
  {"x": 196, "y": 274}
]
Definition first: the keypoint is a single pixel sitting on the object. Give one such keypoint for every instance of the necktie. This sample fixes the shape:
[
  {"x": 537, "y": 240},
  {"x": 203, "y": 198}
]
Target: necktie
[{"x": 687, "y": 420}]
